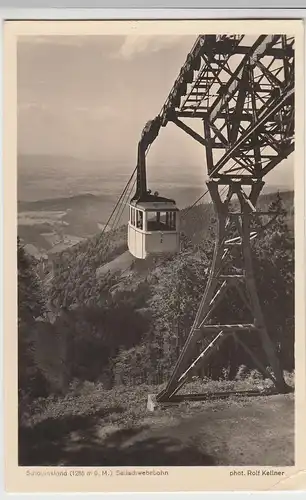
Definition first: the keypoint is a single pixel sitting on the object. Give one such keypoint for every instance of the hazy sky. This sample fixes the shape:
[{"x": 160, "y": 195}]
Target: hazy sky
[{"x": 89, "y": 97}]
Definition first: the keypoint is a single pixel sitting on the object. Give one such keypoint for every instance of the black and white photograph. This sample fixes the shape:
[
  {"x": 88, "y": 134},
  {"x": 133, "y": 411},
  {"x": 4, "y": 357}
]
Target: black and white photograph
[{"x": 156, "y": 250}]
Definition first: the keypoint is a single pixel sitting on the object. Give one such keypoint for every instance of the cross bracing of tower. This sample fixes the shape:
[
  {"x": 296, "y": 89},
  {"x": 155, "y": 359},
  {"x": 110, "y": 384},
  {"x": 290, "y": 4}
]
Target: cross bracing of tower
[{"x": 244, "y": 94}]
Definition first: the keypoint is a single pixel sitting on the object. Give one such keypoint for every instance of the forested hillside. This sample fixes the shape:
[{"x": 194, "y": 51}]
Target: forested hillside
[{"x": 126, "y": 327}]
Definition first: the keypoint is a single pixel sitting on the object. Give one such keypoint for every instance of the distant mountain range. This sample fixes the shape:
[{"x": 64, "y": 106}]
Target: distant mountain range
[
  {"x": 63, "y": 200},
  {"x": 61, "y": 203},
  {"x": 42, "y": 177}
]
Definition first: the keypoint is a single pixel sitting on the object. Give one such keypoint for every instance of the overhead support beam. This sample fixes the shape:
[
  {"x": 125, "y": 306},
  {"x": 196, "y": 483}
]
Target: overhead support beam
[
  {"x": 242, "y": 93},
  {"x": 250, "y": 130},
  {"x": 285, "y": 153},
  {"x": 256, "y": 52},
  {"x": 225, "y": 180},
  {"x": 272, "y": 52},
  {"x": 187, "y": 113},
  {"x": 189, "y": 131}
]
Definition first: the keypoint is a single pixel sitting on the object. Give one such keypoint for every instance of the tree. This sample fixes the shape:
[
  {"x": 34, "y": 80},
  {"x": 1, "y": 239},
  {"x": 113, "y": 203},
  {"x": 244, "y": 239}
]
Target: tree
[
  {"x": 31, "y": 302},
  {"x": 177, "y": 286},
  {"x": 274, "y": 271},
  {"x": 31, "y": 306}
]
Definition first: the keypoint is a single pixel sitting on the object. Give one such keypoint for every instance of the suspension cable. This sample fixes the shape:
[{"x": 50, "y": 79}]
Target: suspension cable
[
  {"x": 121, "y": 203},
  {"x": 118, "y": 202},
  {"x": 123, "y": 206},
  {"x": 196, "y": 202}
]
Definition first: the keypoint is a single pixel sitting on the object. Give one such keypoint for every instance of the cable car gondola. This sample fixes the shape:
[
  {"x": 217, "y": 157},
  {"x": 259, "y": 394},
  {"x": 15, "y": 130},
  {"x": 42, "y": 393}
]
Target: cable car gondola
[{"x": 153, "y": 226}]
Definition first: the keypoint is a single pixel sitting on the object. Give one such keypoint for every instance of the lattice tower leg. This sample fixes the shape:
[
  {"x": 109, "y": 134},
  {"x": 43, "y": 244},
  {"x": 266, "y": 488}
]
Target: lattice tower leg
[{"x": 222, "y": 277}]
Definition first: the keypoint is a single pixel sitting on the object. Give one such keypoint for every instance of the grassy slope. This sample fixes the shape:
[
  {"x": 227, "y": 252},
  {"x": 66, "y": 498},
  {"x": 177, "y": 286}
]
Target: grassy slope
[{"x": 94, "y": 427}]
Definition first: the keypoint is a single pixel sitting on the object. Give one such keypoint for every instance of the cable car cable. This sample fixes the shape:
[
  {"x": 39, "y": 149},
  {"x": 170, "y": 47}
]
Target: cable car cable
[
  {"x": 123, "y": 206},
  {"x": 124, "y": 193},
  {"x": 118, "y": 202}
]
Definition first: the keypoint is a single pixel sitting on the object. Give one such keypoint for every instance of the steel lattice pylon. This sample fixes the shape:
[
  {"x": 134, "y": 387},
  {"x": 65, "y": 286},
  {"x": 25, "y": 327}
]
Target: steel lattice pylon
[{"x": 242, "y": 89}]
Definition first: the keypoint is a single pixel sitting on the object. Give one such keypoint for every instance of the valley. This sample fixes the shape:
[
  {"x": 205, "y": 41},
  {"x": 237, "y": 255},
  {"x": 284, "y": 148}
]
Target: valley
[{"x": 64, "y": 200}]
